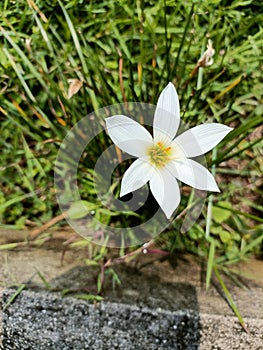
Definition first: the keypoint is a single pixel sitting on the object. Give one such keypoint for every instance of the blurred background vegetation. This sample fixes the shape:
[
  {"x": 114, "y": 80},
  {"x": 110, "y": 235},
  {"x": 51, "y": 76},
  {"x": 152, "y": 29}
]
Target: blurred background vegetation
[{"x": 61, "y": 60}]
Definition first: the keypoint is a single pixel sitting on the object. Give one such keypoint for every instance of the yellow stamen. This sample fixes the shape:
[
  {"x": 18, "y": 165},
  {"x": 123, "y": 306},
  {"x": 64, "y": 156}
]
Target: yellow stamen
[{"x": 159, "y": 155}]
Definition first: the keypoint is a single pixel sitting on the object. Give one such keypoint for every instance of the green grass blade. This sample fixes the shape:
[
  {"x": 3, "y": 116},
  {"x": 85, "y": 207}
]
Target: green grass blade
[
  {"x": 15, "y": 200},
  {"x": 19, "y": 75},
  {"x": 75, "y": 39},
  {"x": 43, "y": 279},
  {"x": 25, "y": 60},
  {"x": 8, "y": 246},
  {"x": 210, "y": 262},
  {"x": 44, "y": 35},
  {"x": 249, "y": 247},
  {"x": 14, "y": 296},
  {"x": 230, "y": 299},
  {"x": 182, "y": 42},
  {"x": 89, "y": 297}
]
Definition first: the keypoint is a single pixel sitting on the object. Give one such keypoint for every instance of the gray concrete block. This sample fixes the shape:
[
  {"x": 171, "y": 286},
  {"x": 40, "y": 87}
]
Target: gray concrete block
[{"x": 44, "y": 321}]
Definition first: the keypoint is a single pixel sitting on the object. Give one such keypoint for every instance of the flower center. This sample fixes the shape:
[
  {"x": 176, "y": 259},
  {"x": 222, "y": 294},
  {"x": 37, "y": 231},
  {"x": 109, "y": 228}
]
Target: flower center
[{"x": 159, "y": 155}]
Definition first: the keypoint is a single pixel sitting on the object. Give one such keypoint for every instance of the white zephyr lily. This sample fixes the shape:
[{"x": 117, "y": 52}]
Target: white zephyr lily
[{"x": 162, "y": 159}]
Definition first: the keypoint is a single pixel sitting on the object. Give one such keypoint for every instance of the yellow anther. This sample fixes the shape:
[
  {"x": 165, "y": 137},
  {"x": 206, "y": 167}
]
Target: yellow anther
[{"x": 159, "y": 155}]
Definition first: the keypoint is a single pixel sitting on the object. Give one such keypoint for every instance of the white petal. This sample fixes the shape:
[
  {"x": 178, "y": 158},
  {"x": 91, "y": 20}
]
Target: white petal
[
  {"x": 202, "y": 138},
  {"x": 129, "y": 135},
  {"x": 137, "y": 175},
  {"x": 167, "y": 115},
  {"x": 193, "y": 174},
  {"x": 165, "y": 190}
]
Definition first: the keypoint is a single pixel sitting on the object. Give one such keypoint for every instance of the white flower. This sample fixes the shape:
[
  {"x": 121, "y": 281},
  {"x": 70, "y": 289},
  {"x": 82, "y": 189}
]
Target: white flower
[{"x": 162, "y": 159}]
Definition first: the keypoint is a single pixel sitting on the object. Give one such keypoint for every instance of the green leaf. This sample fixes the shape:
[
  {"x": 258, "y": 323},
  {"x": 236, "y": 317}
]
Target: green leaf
[
  {"x": 216, "y": 229},
  {"x": 91, "y": 262},
  {"x": 80, "y": 244},
  {"x": 89, "y": 297},
  {"x": 220, "y": 214},
  {"x": 225, "y": 236},
  {"x": 80, "y": 209}
]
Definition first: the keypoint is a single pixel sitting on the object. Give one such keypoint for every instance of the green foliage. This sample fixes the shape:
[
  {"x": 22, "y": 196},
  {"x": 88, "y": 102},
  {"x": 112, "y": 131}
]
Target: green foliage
[
  {"x": 60, "y": 60},
  {"x": 220, "y": 214}
]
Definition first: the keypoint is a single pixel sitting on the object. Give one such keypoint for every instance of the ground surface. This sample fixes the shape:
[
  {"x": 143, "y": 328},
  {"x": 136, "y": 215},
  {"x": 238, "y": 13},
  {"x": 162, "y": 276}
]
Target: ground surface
[{"x": 160, "y": 304}]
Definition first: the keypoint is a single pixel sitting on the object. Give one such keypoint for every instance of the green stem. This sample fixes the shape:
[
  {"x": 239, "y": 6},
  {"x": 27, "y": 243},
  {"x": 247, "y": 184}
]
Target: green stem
[{"x": 210, "y": 200}]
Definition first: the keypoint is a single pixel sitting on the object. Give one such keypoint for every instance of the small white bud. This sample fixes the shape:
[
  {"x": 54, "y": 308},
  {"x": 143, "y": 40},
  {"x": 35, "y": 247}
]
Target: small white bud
[{"x": 207, "y": 58}]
